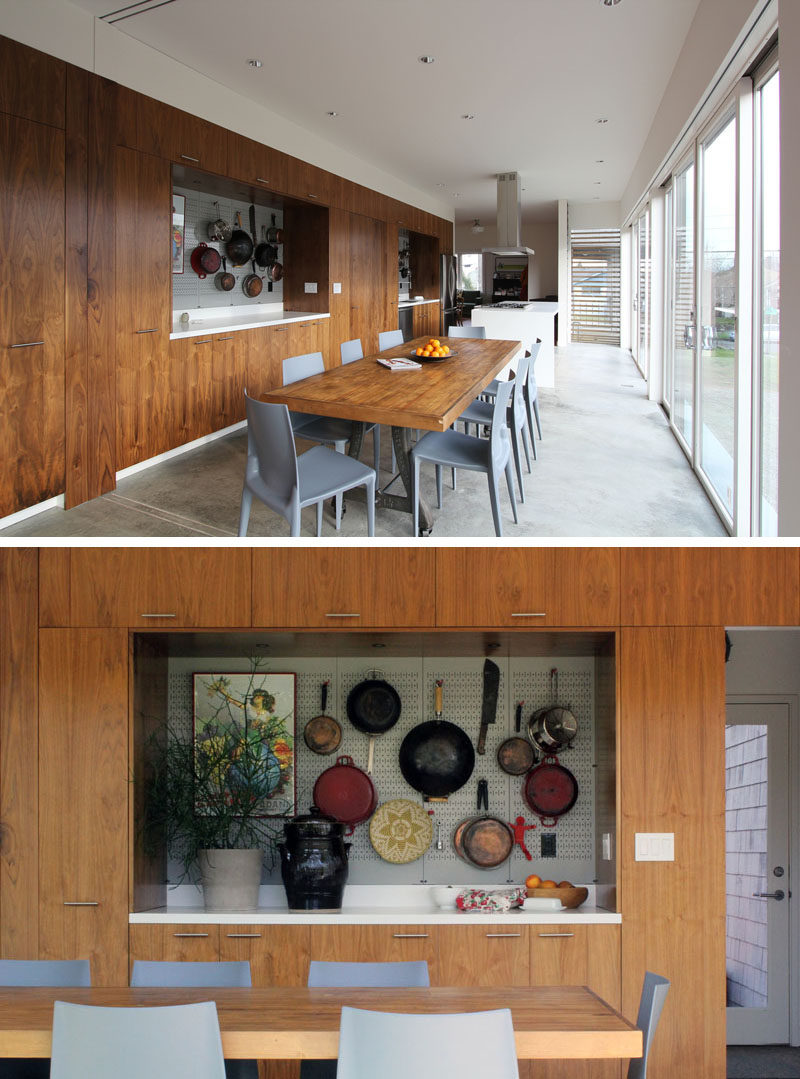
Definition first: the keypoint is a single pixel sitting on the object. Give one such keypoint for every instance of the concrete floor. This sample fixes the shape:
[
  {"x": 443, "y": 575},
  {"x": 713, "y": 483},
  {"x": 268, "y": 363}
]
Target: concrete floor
[
  {"x": 608, "y": 466},
  {"x": 763, "y": 1062}
]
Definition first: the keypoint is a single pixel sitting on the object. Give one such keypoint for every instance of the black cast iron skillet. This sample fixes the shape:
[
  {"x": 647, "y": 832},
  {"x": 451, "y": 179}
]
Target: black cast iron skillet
[
  {"x": 437, "y": 757},
  {"x": 373, "y": 707}
]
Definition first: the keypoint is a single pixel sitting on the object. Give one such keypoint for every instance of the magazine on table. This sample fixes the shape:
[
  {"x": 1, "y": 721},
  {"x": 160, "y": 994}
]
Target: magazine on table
[{"x": 399, "y": 363}]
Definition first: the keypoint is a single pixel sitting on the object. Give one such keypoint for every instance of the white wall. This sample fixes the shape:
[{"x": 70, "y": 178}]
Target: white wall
[
  {"x": 541, "y": 236},
  {"x": 715, "y": 29},
  {"x": 763, "y": 661},
  {"x": 594, "y": 215},
  {"x": 61, "y": 29}
]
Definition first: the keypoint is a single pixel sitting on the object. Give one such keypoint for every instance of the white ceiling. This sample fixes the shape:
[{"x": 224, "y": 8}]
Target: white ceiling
[{"x": 537, "y": 74}]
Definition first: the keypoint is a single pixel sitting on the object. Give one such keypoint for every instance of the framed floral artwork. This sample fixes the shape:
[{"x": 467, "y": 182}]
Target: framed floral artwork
[{"x": 253, "y": 716}]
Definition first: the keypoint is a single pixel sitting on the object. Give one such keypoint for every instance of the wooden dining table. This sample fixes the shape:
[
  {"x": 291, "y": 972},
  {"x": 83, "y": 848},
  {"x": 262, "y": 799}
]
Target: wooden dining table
[
  {"x": 430, "y": 398},
  {"x": 550, "y": 1022}
]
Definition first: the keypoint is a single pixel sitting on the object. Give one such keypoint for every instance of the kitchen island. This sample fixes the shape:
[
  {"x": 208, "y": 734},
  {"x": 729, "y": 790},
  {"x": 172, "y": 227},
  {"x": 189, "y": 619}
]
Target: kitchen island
[{"x": 525, "y": 323}]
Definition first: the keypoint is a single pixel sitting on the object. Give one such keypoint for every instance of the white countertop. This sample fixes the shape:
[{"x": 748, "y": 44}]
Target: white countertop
[
  {"x": 364, "y": 905},
  {"x": 231, "y": 319},
  {"x": 414, "y": 303},
  {"x": 540, "y": 307}
]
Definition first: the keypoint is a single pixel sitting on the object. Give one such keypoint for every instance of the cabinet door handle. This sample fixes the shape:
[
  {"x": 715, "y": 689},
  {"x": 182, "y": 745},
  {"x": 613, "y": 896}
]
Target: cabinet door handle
[
  {"x": 410, "y": 936},
  {"x": 504, "y": 934},
  {"x": 81, "y": 903},
  {"x": 310, "y": 196},
  {"x": 190, "y": 934},
  {"x": 157, "y": 615},
  {"x": 186, "y": 157},
  {"x": 261, "y": 180},
  {"x": 225, "y": 338},
  {"x": 556, "y": 934},
  {"x": 344, "y": 614},
  {"x": 258, "y": 935},
  {"x": 529, "y": 614},
  {"x": 27, "y": 344},
  {"x": 153, "y": 330},
  {"x": 205, "y": 341},
  {"x": 355, "y": 308}
]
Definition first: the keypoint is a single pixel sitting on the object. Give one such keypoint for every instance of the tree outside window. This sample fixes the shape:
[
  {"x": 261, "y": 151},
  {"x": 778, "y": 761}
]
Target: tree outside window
[{"x": 470, "y": 272}]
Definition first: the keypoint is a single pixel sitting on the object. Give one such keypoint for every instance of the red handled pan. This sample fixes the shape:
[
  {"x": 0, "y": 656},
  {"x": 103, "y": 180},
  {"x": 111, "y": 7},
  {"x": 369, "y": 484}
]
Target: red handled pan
[
  {"x": 345, "y": 792},
  {"x": 550, "y": 790}
]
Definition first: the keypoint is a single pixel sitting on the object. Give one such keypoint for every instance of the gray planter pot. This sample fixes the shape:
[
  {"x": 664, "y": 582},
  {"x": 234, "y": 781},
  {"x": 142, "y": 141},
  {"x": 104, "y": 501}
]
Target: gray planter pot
[{"x": 230, "y": 878}]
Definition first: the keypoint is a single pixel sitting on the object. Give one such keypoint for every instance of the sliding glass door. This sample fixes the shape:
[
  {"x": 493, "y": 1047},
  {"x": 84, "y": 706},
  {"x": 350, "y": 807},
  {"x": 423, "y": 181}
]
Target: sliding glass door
[
  {"x": 642, "y": 298},
  {"x": 682, "y": 325},
  {"x": 716, "y": 426}
]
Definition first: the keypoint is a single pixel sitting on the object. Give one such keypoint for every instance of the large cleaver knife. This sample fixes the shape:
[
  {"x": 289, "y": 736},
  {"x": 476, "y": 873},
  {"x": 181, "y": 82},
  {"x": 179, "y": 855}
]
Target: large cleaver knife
[{"x": 491, "y": 681}]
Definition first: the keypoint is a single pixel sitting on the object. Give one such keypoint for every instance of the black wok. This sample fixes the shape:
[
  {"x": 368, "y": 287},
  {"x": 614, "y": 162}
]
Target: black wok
[
  {"x": 437, "y": 757},
  {"x": 239, "y": 248},
  {"x": 373, "y": 707}
]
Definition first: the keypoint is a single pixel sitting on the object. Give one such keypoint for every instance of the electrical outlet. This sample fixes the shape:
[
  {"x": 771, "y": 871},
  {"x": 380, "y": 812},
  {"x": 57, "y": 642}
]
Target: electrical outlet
[
  {"x": 548, "y": 845},
  {"x": 654, "y": 846},
  {"x": 337, "y": 287},
  {"x": 311, "y": 286}
]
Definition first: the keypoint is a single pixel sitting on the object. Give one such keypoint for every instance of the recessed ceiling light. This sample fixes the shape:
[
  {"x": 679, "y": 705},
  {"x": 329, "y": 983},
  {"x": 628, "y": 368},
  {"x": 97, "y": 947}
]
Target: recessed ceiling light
[
  {"x": 441, "y": 185},
  {"x": 468, "y": 116},
  {"x": 255, "y": 63},
  {"x": 427, "y": 59},
  {"x": 602, "y": 120},
  {"x": 609, "y": 3},
  {"x": 333, "y": 113},
  {"x": 456, "y": 194},
  {"x": 597, "y": 183},
  {"x": 599, "y": 161}
]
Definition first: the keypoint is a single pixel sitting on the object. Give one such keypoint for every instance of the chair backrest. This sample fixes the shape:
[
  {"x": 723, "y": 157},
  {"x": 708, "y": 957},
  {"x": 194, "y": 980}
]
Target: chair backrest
[
  {"x": 389, "y": 338},
  {"x": 654, "y": 993},
  {"x": 520, "y": 381},
  {"x": 54, "y": 972},
  {"x": 271, "y": 453},
  {"x": 181, "y": 1041},
  {"x": 157, "y": 973},
  {"x": 297, "y": 367},
  {"x": 368, "y": 975},
  {"x": 351, "y": 350},
  {"x": 396, "y": 1046},
  {"x": 467, "y": 331},
  {"x": 498, "y": 437}
]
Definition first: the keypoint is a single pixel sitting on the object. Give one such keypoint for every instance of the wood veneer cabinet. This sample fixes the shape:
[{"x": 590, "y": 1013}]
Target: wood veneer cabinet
[
  {"x": 83, "y": 799},
  {"x": 167, "y": 943},
  {"x": 32, "y": 84},
  {"x": 380, "y": 587},
  {"x": 229, "y": 366},
  {"x": 484, "y": 955},
  {"x": 367, "y": 278},
  {"x": 425, "y": 320},
  {"x": 157, "y": 128},
  {"x": 32, "y": 313},
  {"x": 527, "y": 587},
  {"x": 377, "y": 944},
  {"x": 722, "y": 586},
  {"x": 278, "y": 954},
  {"x": 262, "y": 166},
  {"x": 161, "y": 587}
]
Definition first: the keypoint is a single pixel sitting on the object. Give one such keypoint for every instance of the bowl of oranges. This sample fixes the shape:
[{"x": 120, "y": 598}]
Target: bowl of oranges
[
  {"x": 570, "y": 895},
  {"x": 433, "y": 349}
]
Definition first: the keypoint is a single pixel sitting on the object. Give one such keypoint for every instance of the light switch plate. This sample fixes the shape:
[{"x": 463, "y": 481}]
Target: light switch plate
[
  {"x": 311, "y": 286},
  {"x": 607, "y": 855},
  {"x": 337, "y": 287},
  {"x": 654, "y": 846}
]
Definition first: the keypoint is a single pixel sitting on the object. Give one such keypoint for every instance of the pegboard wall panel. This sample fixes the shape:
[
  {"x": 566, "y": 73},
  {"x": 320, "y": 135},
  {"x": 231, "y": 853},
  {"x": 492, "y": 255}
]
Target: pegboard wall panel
[
  {"x": 414, "y": 679},
  {"x": 189, "y": 291}
]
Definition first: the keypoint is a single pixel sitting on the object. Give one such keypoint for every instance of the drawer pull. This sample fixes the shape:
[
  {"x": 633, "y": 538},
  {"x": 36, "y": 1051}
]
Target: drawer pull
[
  {"x": 27, "y": 344},
  {"x": 344, "y": 614},
  {"x": 410, "y": 936},
  {"x": 157, "y": 615},
  {"x": 225, "y": 338},
  {"x": 254, "y": 935},
  {"x": 261, "y": 180},
  {"x": 190, "y": 934},
  {"x": 153, "y": 330},
  {"x": 186, "y": 157},
  {"x": 205, "y": 341},
  {"x": 81, "y": 903},
  {"x": 556, "y": 934},
  {"x": 529, "y": 614},
  {"x": 310, "y": 196},
  {"x": 504, "y": 934}
]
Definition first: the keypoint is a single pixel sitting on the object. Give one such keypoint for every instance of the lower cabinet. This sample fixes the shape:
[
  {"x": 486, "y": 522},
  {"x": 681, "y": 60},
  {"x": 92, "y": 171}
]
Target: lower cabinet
[
  {"x": 174, "y": 943},
  {"x": 278, "y": 954},
  {"x": 376, "y": 944}
]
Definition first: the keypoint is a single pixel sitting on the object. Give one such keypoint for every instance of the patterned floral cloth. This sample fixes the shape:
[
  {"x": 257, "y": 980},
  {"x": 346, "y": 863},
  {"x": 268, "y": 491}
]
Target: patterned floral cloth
[{"x": 490, "y": 902}]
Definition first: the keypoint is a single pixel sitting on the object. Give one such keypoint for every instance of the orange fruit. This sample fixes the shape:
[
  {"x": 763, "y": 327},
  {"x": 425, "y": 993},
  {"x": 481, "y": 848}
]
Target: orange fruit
[
  {"x": 548, "y": 884},
  {"x": 533, "y": 881},
  {"x": 435, "y": 342},
  {"x": 565, "y": 884},
  {"x": 419, "y": 351}
]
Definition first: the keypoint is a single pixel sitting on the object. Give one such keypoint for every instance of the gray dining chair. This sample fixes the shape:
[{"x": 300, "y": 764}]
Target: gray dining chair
[
  {"x": 651, "y": 1003},
  {"x": 389, "y": 339},
  {"x": 58, "y": 973},
  {"x": 467, "y": 331},
  {"x": 180, "y": 1041},
  {"x": 234, "y": 974},
  {"x": 530, "y": 393},
  {"x": 286, "y": 482},
  {"x": 338, "y": 975},
  {"x": 455, "y": 449},
  {"x": 351, "y": 351},
  {"x": 394, "y": 1045},
  {"x": 481, "y": 413},
  {"x": 324, "y": 429}
]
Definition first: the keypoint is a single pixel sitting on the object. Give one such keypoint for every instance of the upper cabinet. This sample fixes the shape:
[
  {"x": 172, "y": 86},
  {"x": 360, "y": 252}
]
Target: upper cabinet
[
  {"x": 343, "y": 588},
  {"x": 155, "y": 128},
  {"x": 256, "y": 164},
  {"x": 32, "y": 84},
  {"x": 525, "y": 587},
  {"x": 714, "y": 586},
  {"x": 159, "y": 588},
  {"x": 306, "y": 181}
]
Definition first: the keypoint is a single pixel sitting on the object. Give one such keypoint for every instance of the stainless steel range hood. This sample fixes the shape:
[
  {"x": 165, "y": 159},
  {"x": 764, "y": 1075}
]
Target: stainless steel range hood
[{"x": 509, "y": 217}]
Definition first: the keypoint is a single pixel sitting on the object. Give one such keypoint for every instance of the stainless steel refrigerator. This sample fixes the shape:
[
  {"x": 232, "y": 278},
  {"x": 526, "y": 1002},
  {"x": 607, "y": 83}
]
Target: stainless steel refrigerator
[{"x": 448, "y": 285}]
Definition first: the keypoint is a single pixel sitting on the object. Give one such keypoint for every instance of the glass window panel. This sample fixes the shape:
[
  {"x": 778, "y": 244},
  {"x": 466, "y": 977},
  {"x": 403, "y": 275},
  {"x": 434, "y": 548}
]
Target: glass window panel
[
  {"x": 770, "y": 253},
  {"x": 471, "y": 272},
  {"x": 683, "y": 315},
  {"x": 642, "y": 354},
  {"x": 718, "y": 312}
]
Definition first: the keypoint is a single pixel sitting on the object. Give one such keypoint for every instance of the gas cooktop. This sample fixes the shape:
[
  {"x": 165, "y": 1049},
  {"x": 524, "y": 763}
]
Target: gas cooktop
[{"x": 511, "y": 303}]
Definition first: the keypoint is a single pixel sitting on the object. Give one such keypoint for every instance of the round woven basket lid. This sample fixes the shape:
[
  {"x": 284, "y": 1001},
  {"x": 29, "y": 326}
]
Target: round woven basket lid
[{"x": 400, "y": 831}]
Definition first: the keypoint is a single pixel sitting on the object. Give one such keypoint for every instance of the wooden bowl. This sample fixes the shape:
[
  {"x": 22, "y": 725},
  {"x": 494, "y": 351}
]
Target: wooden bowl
[{"x": 570, "y": 897}]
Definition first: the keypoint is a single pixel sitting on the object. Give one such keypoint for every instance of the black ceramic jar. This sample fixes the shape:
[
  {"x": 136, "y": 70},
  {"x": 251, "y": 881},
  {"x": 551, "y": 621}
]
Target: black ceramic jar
[{"x": 314, "y": 862}]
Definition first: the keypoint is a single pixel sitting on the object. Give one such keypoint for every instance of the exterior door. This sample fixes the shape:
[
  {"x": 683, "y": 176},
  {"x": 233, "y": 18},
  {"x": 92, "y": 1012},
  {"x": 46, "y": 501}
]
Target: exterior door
[
  {"x": 682, "y": 324},
  {"x": 757, "y": 872}
]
